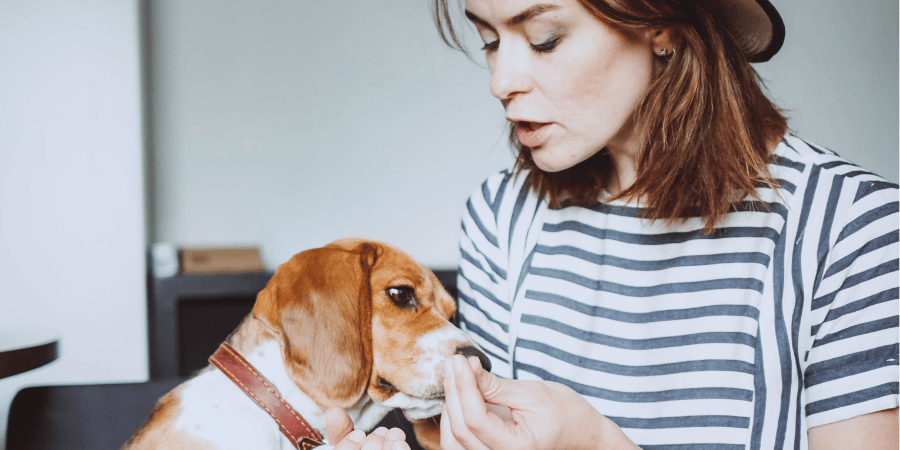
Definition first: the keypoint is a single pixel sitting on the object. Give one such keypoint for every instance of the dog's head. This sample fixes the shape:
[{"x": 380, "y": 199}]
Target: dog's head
[{"x": 360, "y": 317}]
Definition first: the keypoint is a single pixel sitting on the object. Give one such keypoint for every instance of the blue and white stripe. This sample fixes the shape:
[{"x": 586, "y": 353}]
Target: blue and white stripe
[{"x": 782, "y": 319}]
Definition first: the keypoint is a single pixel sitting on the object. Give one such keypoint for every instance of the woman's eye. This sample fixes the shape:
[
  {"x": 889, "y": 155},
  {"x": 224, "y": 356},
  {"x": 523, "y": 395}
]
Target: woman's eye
[
  {"x": 546, "y": 46},
  {"x": 491, "y": 46},
  {"x": 402, "y": 296}
]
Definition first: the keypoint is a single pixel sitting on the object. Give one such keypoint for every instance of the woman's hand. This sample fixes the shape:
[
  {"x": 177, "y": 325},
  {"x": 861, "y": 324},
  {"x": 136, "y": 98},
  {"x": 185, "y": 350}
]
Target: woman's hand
[
  {"x": 531, "y": 414},
  {"x": 340, "y": 433}
]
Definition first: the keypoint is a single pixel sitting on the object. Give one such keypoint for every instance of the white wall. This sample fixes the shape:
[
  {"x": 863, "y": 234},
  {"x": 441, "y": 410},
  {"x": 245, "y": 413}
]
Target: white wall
[
  {"x": 837, "y": 77},
  {"x": 71, "y": 190},
  {"x": 287, "y": 124}
]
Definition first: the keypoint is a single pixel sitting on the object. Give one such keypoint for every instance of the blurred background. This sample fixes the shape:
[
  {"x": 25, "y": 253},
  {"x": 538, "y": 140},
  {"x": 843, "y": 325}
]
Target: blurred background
[{"x": 285, "y": 124}]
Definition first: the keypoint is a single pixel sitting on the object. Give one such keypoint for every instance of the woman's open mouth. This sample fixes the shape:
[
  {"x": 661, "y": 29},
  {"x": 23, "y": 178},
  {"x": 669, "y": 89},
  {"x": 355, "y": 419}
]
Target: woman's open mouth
[{"x": 532, "y": 134}]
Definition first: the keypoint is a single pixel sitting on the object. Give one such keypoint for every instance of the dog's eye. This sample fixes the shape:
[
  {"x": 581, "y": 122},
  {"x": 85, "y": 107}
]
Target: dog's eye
[{"x": 402, "y": 296}]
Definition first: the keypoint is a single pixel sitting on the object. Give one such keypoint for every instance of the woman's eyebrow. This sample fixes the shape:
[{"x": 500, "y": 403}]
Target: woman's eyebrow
[{"x": 527, "y": 14}]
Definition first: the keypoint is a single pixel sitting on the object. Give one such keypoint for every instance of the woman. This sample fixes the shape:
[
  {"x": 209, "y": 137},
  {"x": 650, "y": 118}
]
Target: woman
[{"x": 665, "y": 267}]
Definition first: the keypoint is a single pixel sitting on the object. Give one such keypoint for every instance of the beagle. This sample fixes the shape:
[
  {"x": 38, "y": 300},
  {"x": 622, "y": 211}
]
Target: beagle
[{"x": 356, "y": 324}]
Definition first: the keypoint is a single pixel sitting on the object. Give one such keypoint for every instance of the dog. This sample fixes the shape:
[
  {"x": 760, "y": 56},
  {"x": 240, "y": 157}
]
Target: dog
[{"x": 356, "y": 324}]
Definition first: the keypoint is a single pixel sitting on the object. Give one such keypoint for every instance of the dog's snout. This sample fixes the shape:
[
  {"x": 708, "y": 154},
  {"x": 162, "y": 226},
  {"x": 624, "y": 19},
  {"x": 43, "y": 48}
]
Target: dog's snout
[{"x": 468, "y": 351}]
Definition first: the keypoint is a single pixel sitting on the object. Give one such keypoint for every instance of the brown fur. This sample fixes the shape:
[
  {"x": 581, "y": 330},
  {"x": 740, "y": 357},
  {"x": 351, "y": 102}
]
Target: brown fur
[
  {"x": 314, "y": 310},
  {"x": 157, "y": 428},
  {"x": 428, "y": 433},
  {"x": 165, "y": 411}
]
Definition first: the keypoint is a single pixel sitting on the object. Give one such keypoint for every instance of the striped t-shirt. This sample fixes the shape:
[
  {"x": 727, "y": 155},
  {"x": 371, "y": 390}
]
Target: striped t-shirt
[{"x": 782, "y": 319}]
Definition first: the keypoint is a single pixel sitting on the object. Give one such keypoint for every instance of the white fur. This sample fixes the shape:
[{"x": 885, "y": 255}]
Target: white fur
[
  {"x": 436, "y": 346},
  {"x": 424, "y": 397},
  {"x": 415, "y": 408},
  {"x": 213, "y": 407}
]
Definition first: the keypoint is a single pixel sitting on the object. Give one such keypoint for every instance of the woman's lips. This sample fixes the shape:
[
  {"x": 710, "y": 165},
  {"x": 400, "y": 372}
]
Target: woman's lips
[{"x": 533, "y": 134}]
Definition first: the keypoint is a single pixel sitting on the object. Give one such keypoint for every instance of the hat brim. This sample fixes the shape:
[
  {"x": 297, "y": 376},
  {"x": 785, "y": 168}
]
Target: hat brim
[{"x": 755, "y": 25}]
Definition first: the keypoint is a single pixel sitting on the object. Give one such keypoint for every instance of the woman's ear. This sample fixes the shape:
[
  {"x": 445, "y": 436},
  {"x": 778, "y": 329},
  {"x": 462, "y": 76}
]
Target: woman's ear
[
  {"x": 662, "y": 41},
  {"x": 314, "y": 302}
]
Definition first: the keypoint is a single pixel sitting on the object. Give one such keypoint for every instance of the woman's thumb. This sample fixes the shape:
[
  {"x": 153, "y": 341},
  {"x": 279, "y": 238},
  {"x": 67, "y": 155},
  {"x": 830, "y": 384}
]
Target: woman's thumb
[
  {"x": 494, "y": 389},
  {"x": 337, "y": 425}
]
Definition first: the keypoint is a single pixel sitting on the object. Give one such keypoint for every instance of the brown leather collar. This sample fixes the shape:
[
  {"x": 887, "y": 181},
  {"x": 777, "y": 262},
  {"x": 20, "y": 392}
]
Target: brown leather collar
[{"x": 258, "y": 388}]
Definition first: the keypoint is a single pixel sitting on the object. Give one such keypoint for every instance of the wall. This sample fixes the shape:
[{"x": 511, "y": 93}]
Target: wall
[
  {"x": 289, "y": 123},
  {"x": 837, "y": 77},
  {"x": 71, "y": 190}
]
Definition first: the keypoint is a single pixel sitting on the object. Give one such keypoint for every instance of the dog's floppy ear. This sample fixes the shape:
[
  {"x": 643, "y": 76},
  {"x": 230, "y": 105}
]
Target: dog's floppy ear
[
  {"x": 320, "y": 302},
  {"x": 428, "y": 433}
]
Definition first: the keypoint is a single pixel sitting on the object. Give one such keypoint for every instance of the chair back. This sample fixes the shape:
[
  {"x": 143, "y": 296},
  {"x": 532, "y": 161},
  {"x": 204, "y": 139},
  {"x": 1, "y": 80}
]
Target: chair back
[{"x": 91, "y": 416}]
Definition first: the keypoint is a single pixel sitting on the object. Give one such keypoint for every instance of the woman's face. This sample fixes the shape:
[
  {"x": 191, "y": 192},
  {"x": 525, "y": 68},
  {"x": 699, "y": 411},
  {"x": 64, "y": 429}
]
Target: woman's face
[{"x": 569, "y": 82}]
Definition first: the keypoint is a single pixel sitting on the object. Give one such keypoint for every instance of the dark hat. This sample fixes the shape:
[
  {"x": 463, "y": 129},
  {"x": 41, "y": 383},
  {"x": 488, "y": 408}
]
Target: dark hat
[{"x": 755, "y": 24}]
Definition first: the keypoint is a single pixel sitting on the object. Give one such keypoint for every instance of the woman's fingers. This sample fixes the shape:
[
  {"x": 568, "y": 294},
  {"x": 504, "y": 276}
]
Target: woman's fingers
[
  {"x": 467, "y": 415},
  {"x": 375, "y": 440},
  {"x": 380, "y": 439},
  {"x": 384, "y": 439},
  {"x": 337, "y": 424},
  {"x": 486, "y": 383},
  {"x": 339, "y": 430},
  {"x": 395, "y": 440},
  {"x": 514, "y": 394},
  {"x": 352, "y": 441},
  {"x": 448, "y": 441},
  {"x": 396, "y": 434}
]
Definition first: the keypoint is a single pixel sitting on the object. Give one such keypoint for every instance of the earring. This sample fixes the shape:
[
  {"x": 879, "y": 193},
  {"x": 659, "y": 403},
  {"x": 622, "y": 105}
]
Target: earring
[{"x": 664, "y": 52}]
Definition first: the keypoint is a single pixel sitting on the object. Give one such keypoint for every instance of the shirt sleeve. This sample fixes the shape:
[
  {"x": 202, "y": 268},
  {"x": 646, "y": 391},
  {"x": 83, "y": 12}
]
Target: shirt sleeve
[
  {"x": 484, "y": 310},
  {"x": 851, "y": 366}
]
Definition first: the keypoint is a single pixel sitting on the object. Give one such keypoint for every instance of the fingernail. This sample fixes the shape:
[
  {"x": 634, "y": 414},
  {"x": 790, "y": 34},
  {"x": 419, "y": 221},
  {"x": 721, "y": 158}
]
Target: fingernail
[
  {"x": 380, "y": 431},
  {"x": 356, "y": 436},
  {"x": 395, "y": 434},
  {"x": 474, "y": 363},
  {"x": 457, "y": 364}
]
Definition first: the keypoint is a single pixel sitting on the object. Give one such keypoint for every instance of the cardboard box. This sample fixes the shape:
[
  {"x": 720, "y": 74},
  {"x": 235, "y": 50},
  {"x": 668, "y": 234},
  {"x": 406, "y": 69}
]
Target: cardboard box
[{"x": 221, "y": 260}]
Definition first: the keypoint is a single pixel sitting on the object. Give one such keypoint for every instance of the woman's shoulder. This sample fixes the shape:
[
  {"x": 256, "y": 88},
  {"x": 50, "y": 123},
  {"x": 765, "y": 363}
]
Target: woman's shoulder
[
  {"x": 801, "y": 167},
  {"x": 500, "y": 186},
  {"x": 804, "y": 157},
  {"x": 498, "y": 180},
  {"x": 844, "y": 202}
]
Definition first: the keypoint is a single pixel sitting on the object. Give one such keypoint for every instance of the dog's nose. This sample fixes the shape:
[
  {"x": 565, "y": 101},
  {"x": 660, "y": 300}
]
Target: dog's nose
[{"x": 468, "y": 351}]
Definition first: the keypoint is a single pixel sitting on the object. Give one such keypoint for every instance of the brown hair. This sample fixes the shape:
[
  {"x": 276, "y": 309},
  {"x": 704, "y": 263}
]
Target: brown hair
[{"x": 706, "y": 127}]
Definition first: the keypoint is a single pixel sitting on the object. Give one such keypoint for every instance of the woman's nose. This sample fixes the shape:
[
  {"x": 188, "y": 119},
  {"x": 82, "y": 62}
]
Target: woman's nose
[{"x": 509, "y": 74}]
